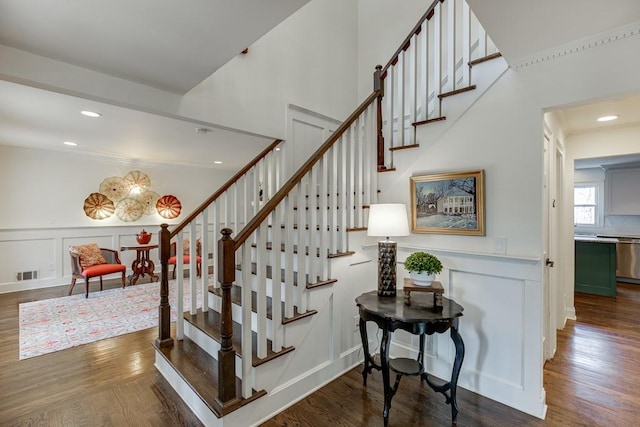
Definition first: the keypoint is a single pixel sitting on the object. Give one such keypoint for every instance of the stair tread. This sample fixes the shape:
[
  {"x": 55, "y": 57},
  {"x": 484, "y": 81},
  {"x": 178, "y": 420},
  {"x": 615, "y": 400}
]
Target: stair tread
[
  {"x": 485, "y": 59},
  {"x": 426, "y": 122},
  {"x": 457, "y": 91},
  {"x": 209, "y": 322},
  {"x": 269, "y": 275},
  {"x": 404, "y": 147},
  {"x": 236, "y": 298},
  {"x": 295, "y": 250},
  {"x": 200, "y": 370}
]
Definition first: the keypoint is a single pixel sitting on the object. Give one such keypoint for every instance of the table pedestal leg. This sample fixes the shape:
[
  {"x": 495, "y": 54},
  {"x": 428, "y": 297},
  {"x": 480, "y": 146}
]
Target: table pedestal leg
[
  {"x": 452, "y": 385},
  {"x": 384, "y": 358},
  {"x": 142, "y": 265},
  {"x": 365, "y": 347},
  {"x": 457, "y": 364}
]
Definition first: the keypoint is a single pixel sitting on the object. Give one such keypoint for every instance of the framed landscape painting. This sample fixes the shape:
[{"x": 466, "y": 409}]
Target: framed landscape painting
[{"x": 448, "y": 203}]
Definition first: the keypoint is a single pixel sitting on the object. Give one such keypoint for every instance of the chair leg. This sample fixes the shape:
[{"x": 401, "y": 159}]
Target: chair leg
[
  {"x": 199, "y": 269},
  {"x": 86, "y": 287},
  {"x": 100, "y": 282},
  {"x": 174, "y": 271},
  {"x": 124, "y": 280},
  {"x": 73, "y": 283}
]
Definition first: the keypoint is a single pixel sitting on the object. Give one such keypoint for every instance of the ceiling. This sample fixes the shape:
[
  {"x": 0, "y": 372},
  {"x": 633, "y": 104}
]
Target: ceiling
[
  {"x": 161, "y": 44},
  {"x": 166, "y": 44},
  {"x": 40, "y": 119},
  {"x": 582, "y": 118}
]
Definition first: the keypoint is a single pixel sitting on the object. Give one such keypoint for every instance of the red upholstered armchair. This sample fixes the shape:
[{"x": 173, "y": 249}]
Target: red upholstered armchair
[
  {"x": 186, "y": 257},
  {"x": 89, "y": 261}
]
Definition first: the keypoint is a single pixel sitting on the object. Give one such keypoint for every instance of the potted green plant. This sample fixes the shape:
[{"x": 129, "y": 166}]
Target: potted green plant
[{"x": 422, "y": 267}]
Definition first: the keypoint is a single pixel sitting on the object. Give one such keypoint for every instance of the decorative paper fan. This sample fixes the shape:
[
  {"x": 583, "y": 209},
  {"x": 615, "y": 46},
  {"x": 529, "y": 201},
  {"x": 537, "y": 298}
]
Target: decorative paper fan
[
  {"x": 115, "y": 188},
  {"x": 129, "y": 209},
  {"x": 169, "y": 207},
  {"x": 98, "y": 206},
  {"x": 137, "y": 182},
  {"x": 148, "y": 199}
]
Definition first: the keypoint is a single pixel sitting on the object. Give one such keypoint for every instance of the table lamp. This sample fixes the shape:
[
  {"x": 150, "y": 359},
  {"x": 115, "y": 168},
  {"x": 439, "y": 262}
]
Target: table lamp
[{"x": 387, "y": 220}]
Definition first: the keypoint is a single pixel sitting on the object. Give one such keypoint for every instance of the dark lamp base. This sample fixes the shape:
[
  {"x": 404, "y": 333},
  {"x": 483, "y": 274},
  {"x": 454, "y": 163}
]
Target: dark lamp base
[{"x": 386, "y": 268}]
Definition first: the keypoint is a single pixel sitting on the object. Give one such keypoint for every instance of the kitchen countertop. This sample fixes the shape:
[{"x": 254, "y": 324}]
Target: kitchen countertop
[{"x": 595, "y": 239}]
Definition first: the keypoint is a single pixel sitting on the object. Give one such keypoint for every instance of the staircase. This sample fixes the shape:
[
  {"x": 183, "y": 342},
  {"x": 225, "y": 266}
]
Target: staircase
[{"x": 275, "y": 319}]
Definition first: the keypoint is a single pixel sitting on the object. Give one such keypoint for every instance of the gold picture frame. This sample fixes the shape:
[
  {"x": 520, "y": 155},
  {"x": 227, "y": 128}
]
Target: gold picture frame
[{"x": 448, "y": 203}]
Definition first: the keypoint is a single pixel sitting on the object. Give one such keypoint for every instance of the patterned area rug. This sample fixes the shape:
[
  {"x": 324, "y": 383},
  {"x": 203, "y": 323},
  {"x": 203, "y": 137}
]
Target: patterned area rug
[{"x": 59, "y": 323}]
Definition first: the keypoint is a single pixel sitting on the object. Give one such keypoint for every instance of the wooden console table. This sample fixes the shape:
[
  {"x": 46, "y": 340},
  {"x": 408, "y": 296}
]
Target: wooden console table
[
  {"x": 142, "y": 264},
  {"x": 418, "y": 318}
]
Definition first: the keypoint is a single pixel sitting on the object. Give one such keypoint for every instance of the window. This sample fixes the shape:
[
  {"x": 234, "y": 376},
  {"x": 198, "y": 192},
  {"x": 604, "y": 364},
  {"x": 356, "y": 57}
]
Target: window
[{"x": 586, "y": 209}]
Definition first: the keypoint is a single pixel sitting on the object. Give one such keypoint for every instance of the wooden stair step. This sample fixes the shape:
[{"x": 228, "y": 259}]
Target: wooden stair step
[
  {"x": 457, "y": 91},
  {"x": 269, "y": 275},
  {"x": 306, "y": 227},
  {"x": 404, "y": 147},
  {"x": 209, "y": 322},
  {"x": 236, "y": 298},
  {"x": 295, "y": 250},
  {"x": 385, "y": 169},
  {"x": 426, "y": 122},
  {"x": 200, "y": 370},
  {"x": 485, "y": 59}
]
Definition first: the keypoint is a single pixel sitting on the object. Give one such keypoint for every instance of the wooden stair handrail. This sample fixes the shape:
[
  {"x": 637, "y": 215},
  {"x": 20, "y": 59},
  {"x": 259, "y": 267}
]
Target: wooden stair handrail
[
  {"x": 407, "y": 41},
  {"x": 270, "y": 206},
  {"x": 224, "y": 188}
]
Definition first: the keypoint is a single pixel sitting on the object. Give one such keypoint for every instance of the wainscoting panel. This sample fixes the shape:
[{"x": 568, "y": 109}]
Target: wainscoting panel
[{"x": 501, "y": 327}]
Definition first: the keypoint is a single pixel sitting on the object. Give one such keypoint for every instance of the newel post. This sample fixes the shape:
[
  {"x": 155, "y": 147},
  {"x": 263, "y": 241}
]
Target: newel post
[
  {"x": 378, "y": 86},
  {"x": 226, "y": 354},
  {"x": 164, "y": 309}
]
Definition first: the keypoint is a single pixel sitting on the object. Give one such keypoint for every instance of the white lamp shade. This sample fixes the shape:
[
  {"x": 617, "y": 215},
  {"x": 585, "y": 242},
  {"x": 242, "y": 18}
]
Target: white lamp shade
[{"x": 388, "y": 219}]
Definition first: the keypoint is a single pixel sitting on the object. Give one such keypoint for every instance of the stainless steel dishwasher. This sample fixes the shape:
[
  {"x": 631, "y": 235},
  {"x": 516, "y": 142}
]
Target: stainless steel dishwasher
[{"x": 627, "y": 255}]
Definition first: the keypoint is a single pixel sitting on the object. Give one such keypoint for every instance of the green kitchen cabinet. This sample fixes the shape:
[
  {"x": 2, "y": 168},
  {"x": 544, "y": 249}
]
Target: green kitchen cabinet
[{"x": 595, "y": 268}]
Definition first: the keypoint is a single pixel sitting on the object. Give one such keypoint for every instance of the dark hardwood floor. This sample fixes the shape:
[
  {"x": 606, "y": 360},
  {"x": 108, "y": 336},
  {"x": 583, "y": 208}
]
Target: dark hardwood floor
[
  {"x": 107, "y": 383},
  {"x": 590, "y": 382}
]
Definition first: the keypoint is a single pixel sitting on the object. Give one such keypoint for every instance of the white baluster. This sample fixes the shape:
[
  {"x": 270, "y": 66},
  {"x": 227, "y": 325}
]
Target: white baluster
[
  {"x": 401, "y": 67},
  {"x": 436, "y": 81},
  {"x": 193, "y": 276},
  {"x": 261, "y": 291},
  {"x": 247, "y": 335},
  {"x": 322, "y": 217},
  {"x": 357, "y": 172},
  {"x": 334, "y": 188},
  {"x": 216, "y": 236},
  {"x": 179, "y": 287},
  {"x": 389, "y": 102},
  {"x": 302, "y": 234},
  {"x": 413, "y": 88},
  {"x": 205, "y": 260},
  {"x": 288, "y": 254},
  {"x": 466, "y": 45},
  {"x": 342, "y": 194},
  {"x": 276, "y": 281},
  {"x": 313, "y": 226},
  {"x": 450, "y": 63}
]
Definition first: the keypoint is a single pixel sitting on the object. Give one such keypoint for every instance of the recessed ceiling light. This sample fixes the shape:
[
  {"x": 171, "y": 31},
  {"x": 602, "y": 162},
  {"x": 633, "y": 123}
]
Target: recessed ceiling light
[
  {"x": 90, "y": 113},
  {"x": 72, "y": 144},
  {"x": 607, "y": 118},
  {"x": 217, "y": 162},
  {"x": 277, "y": 148}
]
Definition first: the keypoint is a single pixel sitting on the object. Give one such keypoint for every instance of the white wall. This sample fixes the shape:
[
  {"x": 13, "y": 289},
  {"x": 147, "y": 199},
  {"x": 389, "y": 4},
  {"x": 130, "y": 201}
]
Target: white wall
[
  {"x": 44, "y": 192},
  {"x": 502, "y": 133},
  {"x": 308, "y": 60}
]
